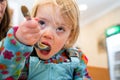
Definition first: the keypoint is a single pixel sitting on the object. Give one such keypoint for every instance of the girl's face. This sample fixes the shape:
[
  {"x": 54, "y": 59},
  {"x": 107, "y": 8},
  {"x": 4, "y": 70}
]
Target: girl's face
[
  {"x": 3, "y": 4},
  {"x": 55, "y": 31}
]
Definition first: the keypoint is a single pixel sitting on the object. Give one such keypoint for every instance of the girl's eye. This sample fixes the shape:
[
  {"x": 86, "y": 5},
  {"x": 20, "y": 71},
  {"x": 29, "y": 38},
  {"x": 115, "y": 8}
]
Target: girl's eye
[
  {"x": 60, "y": 29},
  {"x": 42, "y": 23}
]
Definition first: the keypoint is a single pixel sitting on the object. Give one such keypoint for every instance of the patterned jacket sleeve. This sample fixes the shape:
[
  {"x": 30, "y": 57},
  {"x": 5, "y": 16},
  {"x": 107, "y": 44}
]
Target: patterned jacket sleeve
[
  {"x": 81, "y": 72},
  {"x": 12, "y": 56}
]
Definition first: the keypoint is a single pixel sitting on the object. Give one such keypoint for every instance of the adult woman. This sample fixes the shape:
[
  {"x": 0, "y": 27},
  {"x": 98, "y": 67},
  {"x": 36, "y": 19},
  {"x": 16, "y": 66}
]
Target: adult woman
[{"x": 4, "y": 18}]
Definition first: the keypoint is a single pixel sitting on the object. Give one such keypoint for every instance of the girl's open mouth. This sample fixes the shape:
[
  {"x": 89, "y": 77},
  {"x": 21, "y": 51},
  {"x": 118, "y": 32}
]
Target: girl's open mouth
[
  {"x": 46, "y": 48},
  {"x": 44, "y": 52}
]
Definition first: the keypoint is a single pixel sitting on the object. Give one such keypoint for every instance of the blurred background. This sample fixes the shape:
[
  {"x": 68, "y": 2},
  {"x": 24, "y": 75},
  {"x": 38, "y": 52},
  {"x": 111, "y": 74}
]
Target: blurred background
[{"x": 96, "y": 16}]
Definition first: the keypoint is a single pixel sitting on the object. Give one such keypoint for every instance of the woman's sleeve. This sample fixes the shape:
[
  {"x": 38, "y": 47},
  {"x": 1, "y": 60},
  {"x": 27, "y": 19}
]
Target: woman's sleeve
[
  {"x": 12, "y": 56},
  {"x": 81, "y": 72}
]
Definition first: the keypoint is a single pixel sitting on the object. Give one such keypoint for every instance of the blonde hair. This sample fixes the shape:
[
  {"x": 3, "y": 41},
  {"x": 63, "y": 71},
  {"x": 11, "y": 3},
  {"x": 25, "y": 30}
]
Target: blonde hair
[{"x": 69, "y": 9}]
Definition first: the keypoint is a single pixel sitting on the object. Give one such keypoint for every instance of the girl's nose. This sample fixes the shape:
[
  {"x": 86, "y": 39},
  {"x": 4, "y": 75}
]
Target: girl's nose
[{"x": 48, "y": 33}]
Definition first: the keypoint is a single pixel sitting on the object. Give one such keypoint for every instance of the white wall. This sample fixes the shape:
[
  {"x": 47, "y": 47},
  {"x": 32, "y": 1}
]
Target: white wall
[{"x": 88, "y": 39}]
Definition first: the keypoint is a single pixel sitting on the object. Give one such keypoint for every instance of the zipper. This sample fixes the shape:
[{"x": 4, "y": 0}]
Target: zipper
[{"x": 51, "y": 73}]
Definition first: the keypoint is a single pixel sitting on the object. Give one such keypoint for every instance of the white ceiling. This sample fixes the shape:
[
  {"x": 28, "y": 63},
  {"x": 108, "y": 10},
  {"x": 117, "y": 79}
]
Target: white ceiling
[{"x": 96, "y": 8}]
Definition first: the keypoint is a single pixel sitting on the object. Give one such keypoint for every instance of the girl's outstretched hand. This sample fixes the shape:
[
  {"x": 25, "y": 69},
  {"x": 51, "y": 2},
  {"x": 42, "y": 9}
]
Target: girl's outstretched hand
[{"x": 28, "y": 32}]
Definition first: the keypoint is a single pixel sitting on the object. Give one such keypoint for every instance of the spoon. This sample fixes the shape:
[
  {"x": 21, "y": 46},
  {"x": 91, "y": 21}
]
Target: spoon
[{"x": 26, "y": 14}]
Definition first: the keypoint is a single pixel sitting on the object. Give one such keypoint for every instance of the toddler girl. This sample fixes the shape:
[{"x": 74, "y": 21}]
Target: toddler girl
[{"x": 57, "y": 26}]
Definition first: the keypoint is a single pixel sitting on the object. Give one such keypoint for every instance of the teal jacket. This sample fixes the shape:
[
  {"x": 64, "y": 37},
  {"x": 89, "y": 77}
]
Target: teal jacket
[
  {"x": 59, "y": 67},
  {"x": 16, "y": 63}
]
